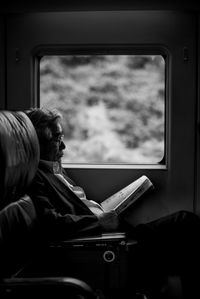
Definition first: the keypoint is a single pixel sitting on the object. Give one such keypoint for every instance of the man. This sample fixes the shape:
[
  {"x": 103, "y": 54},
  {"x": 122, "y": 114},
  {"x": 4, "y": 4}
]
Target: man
[
  {"x": 167, "y": 245},
  {"x": 62, "y": 205}
]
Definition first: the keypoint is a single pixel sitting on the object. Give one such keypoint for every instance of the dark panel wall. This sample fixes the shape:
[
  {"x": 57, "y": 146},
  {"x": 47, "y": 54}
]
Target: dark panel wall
[
  {"x": 2, "y": 64},
  {"x": 11, "y": 6}
]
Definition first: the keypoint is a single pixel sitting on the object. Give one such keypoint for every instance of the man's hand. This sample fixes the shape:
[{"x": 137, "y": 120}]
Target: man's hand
[{"x": 109, "y": 221}]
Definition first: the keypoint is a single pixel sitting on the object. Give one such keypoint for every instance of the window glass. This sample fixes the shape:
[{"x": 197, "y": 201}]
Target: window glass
[{"x": 113, "y": 106}]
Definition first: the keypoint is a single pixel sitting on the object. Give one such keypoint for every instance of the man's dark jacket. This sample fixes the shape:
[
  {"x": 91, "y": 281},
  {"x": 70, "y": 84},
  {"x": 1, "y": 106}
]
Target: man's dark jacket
[{"x": 61, "y": 213}]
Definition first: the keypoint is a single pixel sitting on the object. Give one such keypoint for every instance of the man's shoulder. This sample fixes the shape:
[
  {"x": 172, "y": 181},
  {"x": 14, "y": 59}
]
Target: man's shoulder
[
  {"x": 40, "y": 182},
  {"x": 41, "y": 174}
]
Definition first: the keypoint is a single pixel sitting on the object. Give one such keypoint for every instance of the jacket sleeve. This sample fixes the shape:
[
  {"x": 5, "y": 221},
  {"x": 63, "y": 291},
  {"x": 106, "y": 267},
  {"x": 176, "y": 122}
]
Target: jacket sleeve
[
  {"x": 56, "y": 225},
  {"x": 69, "y": 225}
]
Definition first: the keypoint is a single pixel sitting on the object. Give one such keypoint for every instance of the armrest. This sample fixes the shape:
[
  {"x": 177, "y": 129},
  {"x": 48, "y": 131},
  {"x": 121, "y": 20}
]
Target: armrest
[
  {"x": 47, "y": 286},
  {"x": 111, "y": 237},
  {"x": 90, "y": 241}
]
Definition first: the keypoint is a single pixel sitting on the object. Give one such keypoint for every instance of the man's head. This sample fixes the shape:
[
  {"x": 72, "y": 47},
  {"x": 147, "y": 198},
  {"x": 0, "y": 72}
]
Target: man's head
[{"x": 47, "y": 124}]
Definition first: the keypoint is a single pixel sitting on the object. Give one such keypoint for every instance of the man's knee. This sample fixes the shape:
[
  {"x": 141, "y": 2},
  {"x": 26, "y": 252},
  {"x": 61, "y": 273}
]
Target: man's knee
[
  {"x": 188, "y": 217},
  {"x": 189, "y": 227}
]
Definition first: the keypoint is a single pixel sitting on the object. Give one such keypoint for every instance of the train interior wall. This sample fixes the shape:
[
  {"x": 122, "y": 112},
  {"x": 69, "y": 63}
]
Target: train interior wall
[{"x": 176, "y": 185}]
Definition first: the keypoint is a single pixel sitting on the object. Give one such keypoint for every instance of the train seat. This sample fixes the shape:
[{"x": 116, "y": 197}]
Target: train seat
[{"x": 19, "y": 157}]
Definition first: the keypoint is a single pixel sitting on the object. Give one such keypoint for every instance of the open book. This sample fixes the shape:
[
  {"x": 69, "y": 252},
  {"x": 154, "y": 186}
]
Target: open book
[{"x": 125, "y": 197}]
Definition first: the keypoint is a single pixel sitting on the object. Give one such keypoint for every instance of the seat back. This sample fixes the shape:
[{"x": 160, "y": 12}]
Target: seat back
[{"x": 19, "y": 155}]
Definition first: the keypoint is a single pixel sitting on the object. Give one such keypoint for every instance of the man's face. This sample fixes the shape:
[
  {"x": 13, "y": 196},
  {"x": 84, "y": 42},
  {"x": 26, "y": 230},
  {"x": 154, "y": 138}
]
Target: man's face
[{"x": 52, "y": 150}]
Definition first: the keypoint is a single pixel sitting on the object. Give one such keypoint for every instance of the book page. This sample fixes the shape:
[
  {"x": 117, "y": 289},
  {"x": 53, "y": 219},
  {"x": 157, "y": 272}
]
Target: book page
[
  {"x": 133, "y": 196},
  {"x": 114, "y": 200}
]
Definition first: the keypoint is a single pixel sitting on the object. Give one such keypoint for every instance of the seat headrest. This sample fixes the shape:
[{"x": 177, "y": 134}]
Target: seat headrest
[{"x": 19, "y": 155}]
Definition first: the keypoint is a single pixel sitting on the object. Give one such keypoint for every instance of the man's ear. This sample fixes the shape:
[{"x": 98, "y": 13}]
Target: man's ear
[{"x": 47, "y": 134}]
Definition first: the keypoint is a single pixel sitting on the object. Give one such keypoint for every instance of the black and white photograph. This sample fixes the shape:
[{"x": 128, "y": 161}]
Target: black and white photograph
[{"x": 100, "y": 149}]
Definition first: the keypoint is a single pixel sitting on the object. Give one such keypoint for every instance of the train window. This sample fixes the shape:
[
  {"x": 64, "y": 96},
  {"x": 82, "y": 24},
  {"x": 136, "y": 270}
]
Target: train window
[{"x": 112, "y": 106}]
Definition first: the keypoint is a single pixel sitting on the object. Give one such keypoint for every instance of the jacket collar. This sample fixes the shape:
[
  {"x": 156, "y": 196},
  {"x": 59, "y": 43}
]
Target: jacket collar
[{"x": 51, "y": 166}]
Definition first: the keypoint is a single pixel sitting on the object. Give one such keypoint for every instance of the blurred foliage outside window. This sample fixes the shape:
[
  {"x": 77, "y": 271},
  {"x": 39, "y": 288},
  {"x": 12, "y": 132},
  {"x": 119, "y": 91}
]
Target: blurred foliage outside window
[{"x": 113, "y": 106}]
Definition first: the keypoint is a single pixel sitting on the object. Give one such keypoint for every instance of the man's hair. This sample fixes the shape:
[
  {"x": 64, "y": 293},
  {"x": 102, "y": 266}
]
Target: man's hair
[{"x": 43, "y": 120}]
